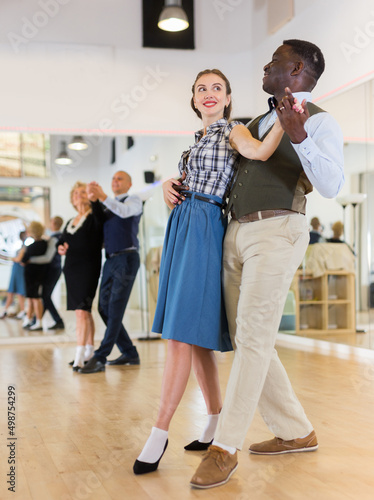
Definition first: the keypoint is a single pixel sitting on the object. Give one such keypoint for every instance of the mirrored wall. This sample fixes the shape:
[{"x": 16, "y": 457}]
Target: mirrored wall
[
  {"x": 346, "y": 297},
  {"x": 353, "y": 109}
]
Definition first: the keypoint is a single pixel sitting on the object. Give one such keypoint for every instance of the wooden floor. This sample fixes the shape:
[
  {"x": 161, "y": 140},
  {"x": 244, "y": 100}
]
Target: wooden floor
[{"x": 78, "y": 435}]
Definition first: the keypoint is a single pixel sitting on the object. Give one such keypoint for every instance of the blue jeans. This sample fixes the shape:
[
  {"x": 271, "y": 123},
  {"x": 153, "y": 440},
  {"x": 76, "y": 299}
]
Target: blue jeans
[{"x": 119, "y": 274}]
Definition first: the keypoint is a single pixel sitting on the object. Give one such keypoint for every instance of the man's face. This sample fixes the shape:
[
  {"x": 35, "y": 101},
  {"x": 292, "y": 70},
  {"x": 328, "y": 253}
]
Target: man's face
[
  {"x": 277, "y": 73},
  {"x": 120, "y": 183}
]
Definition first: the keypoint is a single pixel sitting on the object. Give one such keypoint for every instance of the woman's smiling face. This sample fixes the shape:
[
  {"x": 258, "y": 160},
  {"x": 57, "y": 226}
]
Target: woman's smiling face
[{"x": 210, "y": 96}]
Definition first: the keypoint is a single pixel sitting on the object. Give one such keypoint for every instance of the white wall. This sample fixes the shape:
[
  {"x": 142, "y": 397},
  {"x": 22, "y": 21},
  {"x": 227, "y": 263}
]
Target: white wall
[
  {"x": 85, "y": 68},
  {"x": 343, "y": 29}
]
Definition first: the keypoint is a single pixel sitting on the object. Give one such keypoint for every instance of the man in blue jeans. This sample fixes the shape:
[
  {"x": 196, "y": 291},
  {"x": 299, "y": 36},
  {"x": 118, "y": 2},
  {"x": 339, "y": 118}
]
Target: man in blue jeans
[{"x": 122, "y": 263}]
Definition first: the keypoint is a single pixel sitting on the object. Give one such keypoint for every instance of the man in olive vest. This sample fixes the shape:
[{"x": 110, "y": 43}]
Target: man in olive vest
[
  {"x": 121, "y": 266},
  {"x": 264, "y": 245}
]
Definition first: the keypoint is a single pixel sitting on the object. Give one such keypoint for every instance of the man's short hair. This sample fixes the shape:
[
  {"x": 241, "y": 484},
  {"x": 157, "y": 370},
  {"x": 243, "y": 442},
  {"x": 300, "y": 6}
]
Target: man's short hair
[
  {"x": 57, "y": 222},
  {"x": 310, "y": 54}
]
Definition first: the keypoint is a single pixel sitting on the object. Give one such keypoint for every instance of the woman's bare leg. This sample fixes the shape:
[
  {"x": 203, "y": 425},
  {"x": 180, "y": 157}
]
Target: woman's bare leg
[
  {"x": 81, "y": 319},
  {"x": 89, "y": 345},
  {"x": 81, "y": 330},
  {"x": 38, "y": 308},
  {"x": 21, "y": 302},
  {"x": 176, "y": 373},
  {"x": 204, "y": 365},
  {"x": 90, "y": 329},
  {"x": 9, "y": 300},
  {"x": 174, "y": 382}
]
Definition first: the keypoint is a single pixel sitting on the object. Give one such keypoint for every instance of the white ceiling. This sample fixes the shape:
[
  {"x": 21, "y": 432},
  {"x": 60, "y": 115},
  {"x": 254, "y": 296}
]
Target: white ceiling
[
  {"x": 119, "y": 22},
  {"x": 83, "y": 55}
]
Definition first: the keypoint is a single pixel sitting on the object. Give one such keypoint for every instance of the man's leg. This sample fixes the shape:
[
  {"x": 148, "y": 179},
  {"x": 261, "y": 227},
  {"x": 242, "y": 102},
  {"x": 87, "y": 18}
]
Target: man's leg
[
  {"x": 270, "y": 252},
  {"x": 49, "y": 284},
  {"x": 123, "y": 269},
  {"x": 279, "y": 405},
  {"x": 105, "y": 290},
  {"x": 260, "y": 257}
]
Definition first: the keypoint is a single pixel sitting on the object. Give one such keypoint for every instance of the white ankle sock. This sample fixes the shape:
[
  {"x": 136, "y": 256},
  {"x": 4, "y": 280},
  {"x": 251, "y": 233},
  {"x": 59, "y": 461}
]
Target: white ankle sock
[
  {"x": 302, "y": 437},
  {"x": 26, "y": 321},
  {"x": 154, "y": 446},
  {"x": 79, "y": 356},
  {"x": 230, "y": 449},
  {"x": 36, "y": 325},
  {"x": 210, "y": 429},
  {"x": 88, "y": 352}
]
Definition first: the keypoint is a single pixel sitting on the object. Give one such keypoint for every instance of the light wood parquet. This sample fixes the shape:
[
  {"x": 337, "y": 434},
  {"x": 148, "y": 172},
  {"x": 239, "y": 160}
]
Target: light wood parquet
[{"x": 78, "y": 435}]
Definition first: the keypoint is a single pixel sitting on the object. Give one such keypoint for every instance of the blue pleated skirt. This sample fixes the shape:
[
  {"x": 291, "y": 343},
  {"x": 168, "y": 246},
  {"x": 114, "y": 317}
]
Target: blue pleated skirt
[
  {"x": 190, "y": 305},
  {"x": 17, "y": 280}
]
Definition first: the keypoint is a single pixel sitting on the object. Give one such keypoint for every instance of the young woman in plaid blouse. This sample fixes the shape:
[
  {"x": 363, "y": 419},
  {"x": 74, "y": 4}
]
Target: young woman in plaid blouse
[{"x": 190, "y": 311}]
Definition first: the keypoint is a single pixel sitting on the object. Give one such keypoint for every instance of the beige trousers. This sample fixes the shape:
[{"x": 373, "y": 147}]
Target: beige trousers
[{"x": 259, "y": 261}]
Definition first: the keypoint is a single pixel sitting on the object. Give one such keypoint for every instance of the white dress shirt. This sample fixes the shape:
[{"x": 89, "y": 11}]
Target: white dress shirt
[
  {"x": 321, "y": 153},
  {"x": 132, "y": 205}
]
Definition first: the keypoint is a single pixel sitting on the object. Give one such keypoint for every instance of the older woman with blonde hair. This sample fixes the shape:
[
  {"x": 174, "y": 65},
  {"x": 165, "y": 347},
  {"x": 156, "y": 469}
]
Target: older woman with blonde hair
[{"x": 81, "y": 243}]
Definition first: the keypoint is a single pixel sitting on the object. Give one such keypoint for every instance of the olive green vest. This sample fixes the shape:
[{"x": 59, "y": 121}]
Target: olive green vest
[{"x": 277, "y": 183}]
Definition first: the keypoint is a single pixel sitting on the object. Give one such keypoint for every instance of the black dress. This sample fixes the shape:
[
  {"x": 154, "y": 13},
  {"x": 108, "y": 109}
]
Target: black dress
[
  {"x": 34, "y": 273},
  {"x": 83, "y": 260}
]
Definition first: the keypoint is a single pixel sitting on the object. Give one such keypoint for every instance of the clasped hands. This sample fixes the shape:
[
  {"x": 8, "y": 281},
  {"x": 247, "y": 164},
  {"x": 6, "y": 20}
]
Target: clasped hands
[
  {"x": 292, "y": 116},
  {"x": 95, "y": 192}
]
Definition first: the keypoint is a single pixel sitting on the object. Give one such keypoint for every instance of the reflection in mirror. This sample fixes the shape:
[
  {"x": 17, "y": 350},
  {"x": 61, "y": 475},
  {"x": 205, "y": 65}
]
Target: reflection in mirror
[
  {"x": 156, "y": 155},
  {"x": 18, "y": 207},
  {"x": 354, "y": 112}
]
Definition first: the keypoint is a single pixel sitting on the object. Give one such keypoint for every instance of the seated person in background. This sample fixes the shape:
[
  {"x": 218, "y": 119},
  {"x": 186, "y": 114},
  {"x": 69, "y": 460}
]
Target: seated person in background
[
  {"x": 315, "y": 235},
  {"x": 53, "y": 260},
  {"x": 338, "y": 230},
  {"x": 34, "y": 276},
  {"x": 16, "y": 283}
]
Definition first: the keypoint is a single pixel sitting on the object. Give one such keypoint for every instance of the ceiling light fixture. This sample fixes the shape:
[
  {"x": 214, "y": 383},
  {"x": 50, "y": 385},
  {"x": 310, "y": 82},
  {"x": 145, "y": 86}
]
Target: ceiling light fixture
[
  {"x": 78, "y": 143},
  {"x": 173, "y": 17},
  {"x": 63, "y": 158}
]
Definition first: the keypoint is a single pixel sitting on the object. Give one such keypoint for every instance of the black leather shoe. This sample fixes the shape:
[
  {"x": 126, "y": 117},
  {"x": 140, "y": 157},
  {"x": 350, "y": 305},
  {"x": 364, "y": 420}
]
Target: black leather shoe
[
  {"x": 76, "y": 368},
  {"x": 124, "y": 359},
  {"x": 93, "y": 366},
  {"x": 197, "y": 446},
  {"x": 145, "y": 467},
  {"x": 57, "y": 326}
]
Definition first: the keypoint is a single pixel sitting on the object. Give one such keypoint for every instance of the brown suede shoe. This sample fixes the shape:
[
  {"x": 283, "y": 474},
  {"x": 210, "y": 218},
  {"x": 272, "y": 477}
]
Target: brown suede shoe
[
  {"x": 276, "y": 446},
  {"x": 216, "y": 468}
]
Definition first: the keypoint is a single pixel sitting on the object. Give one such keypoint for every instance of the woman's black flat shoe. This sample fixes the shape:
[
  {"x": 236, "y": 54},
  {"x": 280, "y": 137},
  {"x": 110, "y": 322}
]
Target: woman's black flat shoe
[
  {"x": 72, "y": 362},
  {"x": 197, "y": 446},
  {"x": 145, "y": 467}
]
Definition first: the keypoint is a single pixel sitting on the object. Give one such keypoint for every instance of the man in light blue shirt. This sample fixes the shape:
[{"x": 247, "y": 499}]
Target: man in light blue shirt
[{"x": 121, "y": 266}]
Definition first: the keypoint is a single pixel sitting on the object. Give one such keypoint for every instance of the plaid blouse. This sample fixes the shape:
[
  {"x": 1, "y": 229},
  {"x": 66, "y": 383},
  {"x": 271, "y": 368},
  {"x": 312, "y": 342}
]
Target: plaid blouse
[{"x": 211, "y": 162}]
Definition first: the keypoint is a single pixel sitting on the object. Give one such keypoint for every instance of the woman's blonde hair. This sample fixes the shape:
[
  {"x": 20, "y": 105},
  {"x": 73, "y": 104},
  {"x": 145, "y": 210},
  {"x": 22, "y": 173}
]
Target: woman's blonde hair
[
  {"x": 77, "y": 185},
  {"x": 35, "y": 230},
  {"x": 337, "y": 229}
]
